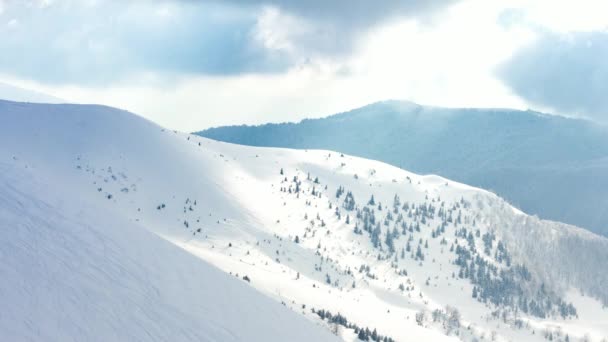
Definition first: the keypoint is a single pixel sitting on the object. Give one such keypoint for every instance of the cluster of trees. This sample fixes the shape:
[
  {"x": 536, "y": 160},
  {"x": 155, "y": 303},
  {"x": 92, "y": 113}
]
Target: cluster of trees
[
  {"x": 349, "y": 202},
  {"x": 449, "y": 318},
  {"x": 363, "y": 334},
  {"x": 510, "y": 286},
  {"x": 496, "y": 280},
  {"x": 383, "y": 233}
]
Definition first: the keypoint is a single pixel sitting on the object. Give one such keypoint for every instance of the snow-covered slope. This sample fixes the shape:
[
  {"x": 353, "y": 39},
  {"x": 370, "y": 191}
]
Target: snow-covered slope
[
  {"x": 73, "y": 270},
  {"x": 300, "y": 226}
]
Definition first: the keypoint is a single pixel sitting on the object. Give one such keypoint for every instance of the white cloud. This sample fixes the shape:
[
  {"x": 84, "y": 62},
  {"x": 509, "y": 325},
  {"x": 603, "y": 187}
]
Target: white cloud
[
  {"x": 564, "y": 16},
  {"x": 450, "y": 63},
  {"x": 448, "y": 59},
  {"x": 563, "y": 69},
  {"x": 446, "y": 63}
]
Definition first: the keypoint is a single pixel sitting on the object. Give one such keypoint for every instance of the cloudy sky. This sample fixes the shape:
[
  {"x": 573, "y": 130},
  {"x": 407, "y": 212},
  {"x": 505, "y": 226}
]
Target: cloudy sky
[{"x": 192, "y": 64}]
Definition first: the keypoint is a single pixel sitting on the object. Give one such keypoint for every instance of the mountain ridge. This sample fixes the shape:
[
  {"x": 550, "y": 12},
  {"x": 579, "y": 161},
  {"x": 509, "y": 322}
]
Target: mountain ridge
[{"x": 527, "y": 157}]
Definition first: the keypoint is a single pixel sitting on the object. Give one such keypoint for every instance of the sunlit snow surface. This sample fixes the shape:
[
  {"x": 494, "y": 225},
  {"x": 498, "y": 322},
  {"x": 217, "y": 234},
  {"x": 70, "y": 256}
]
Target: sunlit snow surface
[{"x": 95, "y": 203}]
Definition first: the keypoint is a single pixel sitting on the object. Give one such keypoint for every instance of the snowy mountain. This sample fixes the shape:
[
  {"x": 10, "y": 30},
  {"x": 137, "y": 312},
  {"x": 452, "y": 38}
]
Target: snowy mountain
[
  {"x": 74, "y": 270},
  {"x": 113, "y": 220},
  {"x": 548, "y": 165}
]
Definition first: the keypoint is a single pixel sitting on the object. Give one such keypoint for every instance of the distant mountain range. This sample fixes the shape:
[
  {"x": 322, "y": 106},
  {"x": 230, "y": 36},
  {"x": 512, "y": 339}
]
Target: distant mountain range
[{"x": 552, "y": 166}]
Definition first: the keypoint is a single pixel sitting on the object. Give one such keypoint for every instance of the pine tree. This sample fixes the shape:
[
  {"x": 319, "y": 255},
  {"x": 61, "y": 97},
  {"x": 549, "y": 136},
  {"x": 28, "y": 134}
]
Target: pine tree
[
  {"x": 419, "y": 254},
  {"x": 376, "y": 236},
  {"x": 389, "y": 242}
]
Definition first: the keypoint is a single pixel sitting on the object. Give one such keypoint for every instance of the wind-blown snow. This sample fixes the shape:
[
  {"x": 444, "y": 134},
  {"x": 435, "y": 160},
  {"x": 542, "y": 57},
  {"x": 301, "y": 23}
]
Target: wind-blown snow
[{"x": 12, "y": 93}]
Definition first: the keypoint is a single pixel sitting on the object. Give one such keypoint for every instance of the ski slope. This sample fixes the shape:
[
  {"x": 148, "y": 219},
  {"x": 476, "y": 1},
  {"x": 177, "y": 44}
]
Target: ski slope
[{"x": 132, "y": 213}]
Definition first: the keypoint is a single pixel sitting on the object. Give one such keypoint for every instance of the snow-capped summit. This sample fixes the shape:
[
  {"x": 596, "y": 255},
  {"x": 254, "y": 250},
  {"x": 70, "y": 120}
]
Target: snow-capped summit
[{"x": 98, "y": 200}]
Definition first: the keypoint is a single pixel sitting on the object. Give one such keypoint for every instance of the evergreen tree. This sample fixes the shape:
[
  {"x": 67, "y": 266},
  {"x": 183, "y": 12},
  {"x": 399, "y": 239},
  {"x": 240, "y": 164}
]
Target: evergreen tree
[
  {"x": 376, "y": 236},
  {"x": 389, "y": 242},
  {"x": 419, "y": 255}
]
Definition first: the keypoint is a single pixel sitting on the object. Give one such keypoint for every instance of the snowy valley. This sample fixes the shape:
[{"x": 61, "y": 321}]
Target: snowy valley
[{"x": 110, "y": 225}]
